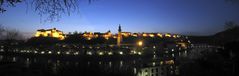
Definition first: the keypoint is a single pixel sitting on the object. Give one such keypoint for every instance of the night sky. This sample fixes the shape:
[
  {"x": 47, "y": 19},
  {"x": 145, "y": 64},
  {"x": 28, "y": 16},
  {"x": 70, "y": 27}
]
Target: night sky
[{"x": 194, "y": 17}]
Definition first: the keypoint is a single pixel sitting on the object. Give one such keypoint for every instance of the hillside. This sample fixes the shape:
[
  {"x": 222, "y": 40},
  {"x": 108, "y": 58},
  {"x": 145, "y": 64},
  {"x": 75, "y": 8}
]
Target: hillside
[
  {"x": 229, "y": 35},
  {"x": 220, "y": 38}
]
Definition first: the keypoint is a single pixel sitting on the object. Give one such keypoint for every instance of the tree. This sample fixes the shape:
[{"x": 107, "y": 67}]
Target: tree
[
  {"x": 51, "y": 9},
  {"x": 9, "y": 34},
  {"x": 230, "y": 25},
  {"x": 13, "y": 34},
  {"x": 1, "y": 30},
  {"x": 4, "y": 3}
]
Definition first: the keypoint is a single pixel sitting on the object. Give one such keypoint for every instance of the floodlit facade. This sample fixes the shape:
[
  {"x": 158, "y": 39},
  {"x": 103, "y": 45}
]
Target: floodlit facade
[
  {"x": 50, "y": 33},
  {"x": 152, "y": 71}
]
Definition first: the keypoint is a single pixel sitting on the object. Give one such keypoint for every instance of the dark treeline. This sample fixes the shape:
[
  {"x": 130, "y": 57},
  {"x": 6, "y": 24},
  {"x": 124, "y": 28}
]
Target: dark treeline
[
  {"x": 230, "y": 34},
  {"x": 223, "y": 62}
]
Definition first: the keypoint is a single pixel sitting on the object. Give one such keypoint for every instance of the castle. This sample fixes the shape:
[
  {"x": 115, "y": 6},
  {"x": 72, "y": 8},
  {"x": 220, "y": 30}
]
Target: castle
[{"x": 50, "y": 33}]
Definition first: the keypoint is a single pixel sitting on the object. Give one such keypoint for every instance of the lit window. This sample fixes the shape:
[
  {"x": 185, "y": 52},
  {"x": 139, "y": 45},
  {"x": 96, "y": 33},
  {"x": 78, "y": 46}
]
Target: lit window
[
  {"x": 161, "y": 62},
  {"x": 89, "y": 53},
  {"x": 58, "y": 52},
  {"x": 121, "y": 53},
  {"x": 139, "y": 53},
  {"x": 154, "y": 63},
  {"x": 42, "y": 52},
  {"x": 76, "y": 53},
  {"x": 67, "y": 53},
  {"x": 101, "y": 53},
  {"x": 110, "y": 53},
  {"x": 49, "y": 52}
]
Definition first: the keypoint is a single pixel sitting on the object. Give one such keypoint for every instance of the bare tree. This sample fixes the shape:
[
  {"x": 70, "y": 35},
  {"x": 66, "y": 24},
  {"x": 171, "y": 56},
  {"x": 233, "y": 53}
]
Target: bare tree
[
  {"x": 5, "y": 3},
  {"x": 1, "y": 31},
  {"x": 51, "y": 9},
  {"x": 10, "y": 34},
  {"x": 230, "y": 25},
  {"x": 13, "y": 34}
]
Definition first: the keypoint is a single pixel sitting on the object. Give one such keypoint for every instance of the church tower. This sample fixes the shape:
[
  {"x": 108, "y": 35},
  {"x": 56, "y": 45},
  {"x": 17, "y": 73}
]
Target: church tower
[{"x": 119, "y": 37}]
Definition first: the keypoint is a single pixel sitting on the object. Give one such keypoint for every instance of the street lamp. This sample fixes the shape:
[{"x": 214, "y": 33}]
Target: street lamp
[{"x": 140, "y": 43}]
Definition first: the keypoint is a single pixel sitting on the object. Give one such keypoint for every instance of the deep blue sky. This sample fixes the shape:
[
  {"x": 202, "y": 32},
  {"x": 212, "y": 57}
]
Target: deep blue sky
[{"x": 197, "y": 17}]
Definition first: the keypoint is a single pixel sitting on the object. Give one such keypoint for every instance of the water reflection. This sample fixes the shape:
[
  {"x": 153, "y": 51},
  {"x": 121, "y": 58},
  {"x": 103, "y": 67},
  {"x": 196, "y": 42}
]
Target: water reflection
[{"x": 61, "y": 66}]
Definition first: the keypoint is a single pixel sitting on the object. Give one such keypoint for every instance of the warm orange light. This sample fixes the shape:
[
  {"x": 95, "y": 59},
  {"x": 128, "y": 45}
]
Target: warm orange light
[
  {"x": 55, "y": 34},
  {"x": 37, "y": 34},
  {"x": 140, "y": 43},
  {"x": 160, "y": 35},
  {"x": 107, "y": 38},
  {"x": 88, "y": 38},
  {"x": 145, "y": 35},
  {"x": 167, "y": 35},
  {"x": 151, "y": 35},
  {"x": 175, "y": 36},
  {"x": 183, "y": 44},
  {"x": 115, "y": 37},
  {"x": 134, "y": 35},
  {"x": 169, "y": 62}
]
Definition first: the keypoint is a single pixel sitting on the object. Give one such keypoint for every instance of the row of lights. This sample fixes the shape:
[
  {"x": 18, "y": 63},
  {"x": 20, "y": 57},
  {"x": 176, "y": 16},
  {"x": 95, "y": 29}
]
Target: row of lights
[{"x": 75, "y": 53}]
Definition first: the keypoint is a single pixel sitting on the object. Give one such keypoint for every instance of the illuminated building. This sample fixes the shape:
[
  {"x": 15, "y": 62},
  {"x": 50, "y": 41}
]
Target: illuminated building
[
  {"x": 182, "y": 44},
  {"x": 107, "y": 35},
  {"x": 152, "y": 71},
  {"x": 135, "y": 35},
  {"x": 50, "y": 33},
  {"x": 125, "y": 34},
  {"x": 151, "y": 35},
  {"x": 167, "y": 35},
  {"x": 88, "y": 35},
  {"x": 160, "y": 35},
  {"x": 175, "y": 36},
  {"x": 145, "y": 35},
  {"x": 119, "y": 37}
]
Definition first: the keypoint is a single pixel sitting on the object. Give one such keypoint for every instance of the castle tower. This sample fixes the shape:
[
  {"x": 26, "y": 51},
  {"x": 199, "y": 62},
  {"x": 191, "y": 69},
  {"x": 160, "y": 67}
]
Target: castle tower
[{"x": 119, "y": 37}]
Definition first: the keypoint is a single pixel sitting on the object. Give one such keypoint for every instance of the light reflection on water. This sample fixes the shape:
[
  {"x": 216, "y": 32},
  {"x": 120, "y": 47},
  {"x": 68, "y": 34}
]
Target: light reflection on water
[{"x": 77, "y": 67}]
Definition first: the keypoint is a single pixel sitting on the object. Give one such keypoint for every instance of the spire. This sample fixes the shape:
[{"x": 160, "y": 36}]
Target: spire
[{"x": 119, "y": 30}]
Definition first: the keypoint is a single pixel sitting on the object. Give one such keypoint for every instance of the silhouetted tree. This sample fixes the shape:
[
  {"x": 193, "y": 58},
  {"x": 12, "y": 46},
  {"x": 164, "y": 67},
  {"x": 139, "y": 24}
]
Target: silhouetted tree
[
  {"x": 1, "y": 31},
  {"x": 75, "y": 33},
  {"x": 4, "y": 3},
  {"x": 230, "y": 25},
  {"x": 13, "y": 34},
  {"x": 10, "y": 34},
  {"x": 52, "y": 9}
]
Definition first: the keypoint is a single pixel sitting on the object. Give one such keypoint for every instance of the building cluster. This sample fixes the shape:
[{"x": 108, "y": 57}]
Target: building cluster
[
  {"x": 158, "y": 71},
  {"x": 108, "y": 35},
  {"x": 89, "y": 35},
  {"x": 50, "y": 33}
]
